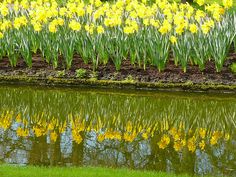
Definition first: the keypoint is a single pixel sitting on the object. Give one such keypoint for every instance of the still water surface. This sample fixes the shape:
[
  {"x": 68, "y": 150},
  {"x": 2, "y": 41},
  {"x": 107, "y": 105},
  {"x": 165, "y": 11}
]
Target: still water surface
[{"x": 174, "y": 132}]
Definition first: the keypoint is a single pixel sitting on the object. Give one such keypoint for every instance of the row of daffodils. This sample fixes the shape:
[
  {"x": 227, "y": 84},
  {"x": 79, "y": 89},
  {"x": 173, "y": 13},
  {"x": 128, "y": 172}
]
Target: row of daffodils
[
  {"x": 180, "y": 136},
  {"x": 143, "y": 33}
]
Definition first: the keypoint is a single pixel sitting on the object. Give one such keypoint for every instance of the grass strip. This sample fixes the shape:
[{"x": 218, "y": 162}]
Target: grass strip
[{"x": 35, "y": 171}]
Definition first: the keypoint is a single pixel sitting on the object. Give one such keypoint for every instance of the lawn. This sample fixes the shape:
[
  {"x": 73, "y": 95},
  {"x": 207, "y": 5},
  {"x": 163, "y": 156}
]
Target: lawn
[{"x": 30, "y": 171}]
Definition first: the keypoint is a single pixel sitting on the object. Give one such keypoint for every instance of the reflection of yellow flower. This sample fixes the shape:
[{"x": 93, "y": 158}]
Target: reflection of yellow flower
[
  {"x": 173, "y": 130},
  {"x": 192, "y": 144},
  {"x": 215, "y": 137},
  {"x": 129, "y": 137},
  {"x": 202, "y": 133},
  {"x": 145, "y": 135},
  {"x": 227, "y": 136},
  {"x": 129, "y": 126},
  {"x": 53, "y": 136},
  {"x": 76, "y": 137},
  {"x": 117, "y": 135},
  {"x": 178, "y": 145},
  {"x": 18, "y": 118},
  {"x": 165, "y": 141},
  {"x": 37, "y": 131},
  {"x": 177, "y": 136},
  {"x": 213, "y": 140},
  {"x": 22, "y": 132},
  {"x": 202, "y": 145},
  {"x": 100, "y": 137}
]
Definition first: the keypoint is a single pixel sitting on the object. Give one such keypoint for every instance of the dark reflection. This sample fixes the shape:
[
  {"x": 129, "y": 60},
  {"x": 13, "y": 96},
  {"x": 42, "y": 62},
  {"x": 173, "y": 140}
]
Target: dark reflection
[{"x": 181, "y": 133}]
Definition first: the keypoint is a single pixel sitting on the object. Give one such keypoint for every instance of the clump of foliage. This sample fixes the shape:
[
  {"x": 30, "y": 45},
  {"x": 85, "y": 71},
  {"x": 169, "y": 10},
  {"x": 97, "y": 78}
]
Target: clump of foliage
[
  {"x": 233, "y": 68},
  {"x": 60, "y": 73},
  {"x": 80, "y": 73}
]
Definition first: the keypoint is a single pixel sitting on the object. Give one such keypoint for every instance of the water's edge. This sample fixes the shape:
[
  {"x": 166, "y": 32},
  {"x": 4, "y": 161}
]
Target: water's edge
[{"x": 126, "y": 84}]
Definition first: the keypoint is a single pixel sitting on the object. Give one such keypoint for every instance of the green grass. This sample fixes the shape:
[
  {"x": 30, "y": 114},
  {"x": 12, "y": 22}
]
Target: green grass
[{"x": 30, "y": 171}]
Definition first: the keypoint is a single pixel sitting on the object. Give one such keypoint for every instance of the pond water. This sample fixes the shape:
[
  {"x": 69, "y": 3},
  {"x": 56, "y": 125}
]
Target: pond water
[{"x": 175, "y": 132}]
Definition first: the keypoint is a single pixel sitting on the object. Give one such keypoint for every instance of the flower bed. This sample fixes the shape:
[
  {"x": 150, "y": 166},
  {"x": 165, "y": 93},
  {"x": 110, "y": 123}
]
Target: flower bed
[{"x": 145, "y": 34}]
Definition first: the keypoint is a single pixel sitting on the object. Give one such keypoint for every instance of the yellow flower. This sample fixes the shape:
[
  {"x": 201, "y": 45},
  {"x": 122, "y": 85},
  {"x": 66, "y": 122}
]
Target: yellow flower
[
  {"x": 178, "y": 19},
  {"x": 205, "y": 28},
  {"x": 199, "y": 14},
  {"x": 100, "y": 29},
  {"x": 52, "y": 27},
  {"x": 5, "y": 25},
  {"x": 4, "y": 10},
  {"x": 89, "y": 9},
  {"x": 128, "y": 30},
  {"x": 227, "y": 3},
  {"x": 146, "y": 22},
  {"x": 24, "y": 4},
  {"x": 37, "y": 27},
  {"x": 179, "y": 29},
  {"x": 165, "y": 28},
  {"x": 193, "y": 28},
  {"x": 97, "y": 3},
  {"x": 154, "y": 23},
  {"x": 74, "y": 25},
  {"x": 62, "y": 11},
  {"x": 200, "y": 2},
  {"x": 16, "y": 6},
  {"x": 165, "y": 141},
  {"x": 173, "y": 39},
  {"x": 20, "y": 21},
  {"x": 89, "y": 28},
  {"x": 59, "y": 21}
]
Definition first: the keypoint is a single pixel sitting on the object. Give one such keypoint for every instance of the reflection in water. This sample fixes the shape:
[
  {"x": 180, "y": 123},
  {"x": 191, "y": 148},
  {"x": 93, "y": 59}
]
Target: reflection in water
[{"x": 158, "y": 131}]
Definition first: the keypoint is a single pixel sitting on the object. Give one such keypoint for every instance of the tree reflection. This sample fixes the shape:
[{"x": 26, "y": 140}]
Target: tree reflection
[{"x": 179, "y": 134}]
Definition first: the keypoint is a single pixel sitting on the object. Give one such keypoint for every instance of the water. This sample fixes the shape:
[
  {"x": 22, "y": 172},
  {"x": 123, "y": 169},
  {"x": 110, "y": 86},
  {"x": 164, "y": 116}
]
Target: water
[{"x": 174, "y": 132}]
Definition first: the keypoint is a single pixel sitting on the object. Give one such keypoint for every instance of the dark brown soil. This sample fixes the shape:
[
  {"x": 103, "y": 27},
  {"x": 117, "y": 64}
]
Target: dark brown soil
[{"x": 171, "y": 74}]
